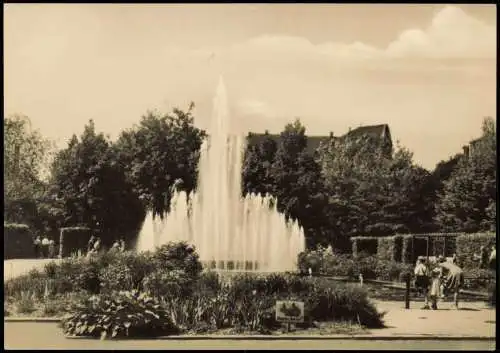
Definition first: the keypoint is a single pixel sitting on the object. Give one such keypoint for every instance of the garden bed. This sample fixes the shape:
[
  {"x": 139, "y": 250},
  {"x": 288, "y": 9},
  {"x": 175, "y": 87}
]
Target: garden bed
[{"x": 166, "y": 293}]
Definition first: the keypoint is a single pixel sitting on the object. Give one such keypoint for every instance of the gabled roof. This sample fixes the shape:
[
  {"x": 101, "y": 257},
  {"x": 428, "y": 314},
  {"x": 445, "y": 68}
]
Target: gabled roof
[
  {"x": 313, "y": 142},
  {"x": 371, "y": 130}
]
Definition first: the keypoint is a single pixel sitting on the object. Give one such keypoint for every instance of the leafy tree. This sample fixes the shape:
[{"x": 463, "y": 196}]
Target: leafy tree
[
  {"x": 89, "y": 187},
  {"x": 257, "y": 174},
  {"x": 26, "y": 153},
  {"x": 371, "y": 192},
  {"x": 297, "y": 183},
  {"x": 157, "y": 153},
  {"x": 468, "y": 200}
]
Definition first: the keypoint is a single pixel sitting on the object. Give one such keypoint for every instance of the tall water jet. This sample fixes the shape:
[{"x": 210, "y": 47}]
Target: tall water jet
[{"x": 230, "y": 232}]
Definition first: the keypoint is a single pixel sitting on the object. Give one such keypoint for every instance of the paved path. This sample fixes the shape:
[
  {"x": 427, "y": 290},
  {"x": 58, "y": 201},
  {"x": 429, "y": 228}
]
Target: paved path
[
  {"x": 16, "y": 267},
  {"x": 49, "y": 336}
]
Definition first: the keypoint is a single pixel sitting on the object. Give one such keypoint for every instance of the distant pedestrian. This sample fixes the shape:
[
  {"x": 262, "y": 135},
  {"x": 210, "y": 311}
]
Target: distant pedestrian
[
  {"x": 435, "y": 289},
  {"x": 122, "y": 245},
  {"x": 422, "y": 280},
  {"x": 97, "y": 245},
  {"x": 453, "y": 278},
  {"x": 493, "y": 269},
  {"x": 90, "y": 245},
  {"x": 52, "y": 248},
  {"x": 454, "y": 259},
  {"x": 37, "y": 245},
  {"x": 45, "y": 246},
  {"x": 115, "y": 247}
]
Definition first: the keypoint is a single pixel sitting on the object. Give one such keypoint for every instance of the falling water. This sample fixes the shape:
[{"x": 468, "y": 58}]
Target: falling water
[{"x": 229, "y": 232}]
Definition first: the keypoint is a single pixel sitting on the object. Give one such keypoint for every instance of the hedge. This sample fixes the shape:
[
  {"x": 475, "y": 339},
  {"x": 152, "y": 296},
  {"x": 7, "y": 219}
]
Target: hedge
[
  {"x": 407, "y": 249},
  {"x": 73, "y": 239},
  {"x": 469, "y": 244},
  {"x": 390, "y": 248},
  {"x": 364, "y": 245},
  {"x": 17, "y": 241}
]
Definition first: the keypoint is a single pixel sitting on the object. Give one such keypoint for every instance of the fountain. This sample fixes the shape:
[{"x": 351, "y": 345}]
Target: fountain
[{"x": 230, "y": 232}]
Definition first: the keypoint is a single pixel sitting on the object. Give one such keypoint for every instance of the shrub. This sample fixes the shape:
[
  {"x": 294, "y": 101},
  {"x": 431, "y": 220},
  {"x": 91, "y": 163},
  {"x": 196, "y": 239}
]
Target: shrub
[
  {"x": 478, "y": 279},
  {"x": 366, "y": 266},
  {"x": 178, "y": 256},
  {"x": 345, "y": 302},
  {"x": 126, "y": 314},
  {"x": 17, "y": 241},
  {"x": 309, "y": 260},
  {"x": 26, "y": 303},
  {"x": 392, "y": 270},
  {"x": 469, "y": 244},
  {"x": 339, "y": 265},
  {"x": 126, "y": 271},
  {"x": 168, "y": 284},
  {"x": 73, "y": 239}
]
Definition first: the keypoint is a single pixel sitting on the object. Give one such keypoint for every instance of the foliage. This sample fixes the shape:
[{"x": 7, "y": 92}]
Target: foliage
[
  {"x": 371, "y": 192},
  {"x": 478, "y": 279},
  {"x": 126, "y": 272},
  {"x": 73, "y": 239},
  {"x": 89, "y": 187},
  {"x": 159, "y": 151},
  {"x": 468, "y": 200},
  {"x": 178, "y": 256},
  {"x": 469, "y": 245},
  {"x": 18, "y": 241},
  {"x": 126, "y": 314},
  {"x": 298, "y": 185},
  {"x": 26, "y": 153},
  {"x": 366, "y": 245},
  {"x": 257, "y": 175}
]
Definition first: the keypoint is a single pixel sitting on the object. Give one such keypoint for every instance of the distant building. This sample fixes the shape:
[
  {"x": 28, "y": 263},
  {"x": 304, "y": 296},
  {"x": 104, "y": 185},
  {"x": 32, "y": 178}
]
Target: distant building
[
  {"x": 470, "y": 148},
  {"x": 381, "y": 131}
]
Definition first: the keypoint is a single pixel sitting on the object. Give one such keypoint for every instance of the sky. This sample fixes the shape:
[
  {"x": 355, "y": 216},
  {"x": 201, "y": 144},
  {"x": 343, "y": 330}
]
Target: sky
[{"x": 429, "y": 71}]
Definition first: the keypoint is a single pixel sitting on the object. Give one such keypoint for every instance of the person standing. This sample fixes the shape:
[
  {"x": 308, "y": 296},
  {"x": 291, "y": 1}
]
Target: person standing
[
  {"x": 422, "y": 280},
  {"x": 453, "y": 278},
  {"x": 90, "y": 244},
  {"x": 493, "y": 269},
  {"x": 45, "y": 246},
  {"x": 435, "y": 290},
  {"x": 122, "y": 245},
  {"x": 37, "y": 245},
  {"x": 52, "y": 248}
]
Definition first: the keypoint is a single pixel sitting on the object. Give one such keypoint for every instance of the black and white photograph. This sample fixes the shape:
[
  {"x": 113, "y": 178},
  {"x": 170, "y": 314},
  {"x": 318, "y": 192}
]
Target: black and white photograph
[{"x": 250, "y": 176}]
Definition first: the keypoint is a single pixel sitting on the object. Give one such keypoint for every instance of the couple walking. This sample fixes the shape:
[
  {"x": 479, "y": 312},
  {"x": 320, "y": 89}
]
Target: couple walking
[{"x": 445, "y": 277}]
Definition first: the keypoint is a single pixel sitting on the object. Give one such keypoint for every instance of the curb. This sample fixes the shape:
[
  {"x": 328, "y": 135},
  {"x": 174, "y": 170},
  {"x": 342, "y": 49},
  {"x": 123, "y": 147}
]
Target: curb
[
  {"x": 303, "y": 338},
  {"x": 32, "y": 319},
  {"x": 360, "y": 337}
]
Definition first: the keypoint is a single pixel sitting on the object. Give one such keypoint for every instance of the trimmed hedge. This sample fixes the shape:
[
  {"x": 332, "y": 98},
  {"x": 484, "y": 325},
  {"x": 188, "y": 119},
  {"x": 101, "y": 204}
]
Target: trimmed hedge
[
  {"x": 73, "y": 239},
  {"x": 470, "y": 244},
  {"x": 366, "y": 245},
  {"x": 17, "y": 241},
  {"x": 390, "y": 248},
  {"x": 407, "y": 249}
]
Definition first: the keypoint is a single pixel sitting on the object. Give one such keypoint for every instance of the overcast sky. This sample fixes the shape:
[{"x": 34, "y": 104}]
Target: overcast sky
[{"x": 426, "y": 70}]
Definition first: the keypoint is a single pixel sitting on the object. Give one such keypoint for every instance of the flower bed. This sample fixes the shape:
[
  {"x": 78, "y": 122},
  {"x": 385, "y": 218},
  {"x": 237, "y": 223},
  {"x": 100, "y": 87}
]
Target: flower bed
[{"x": 125, "y": 295}]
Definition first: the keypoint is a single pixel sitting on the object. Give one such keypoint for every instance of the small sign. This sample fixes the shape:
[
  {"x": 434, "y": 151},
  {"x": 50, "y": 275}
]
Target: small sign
[{"x": 289, "y": 311}]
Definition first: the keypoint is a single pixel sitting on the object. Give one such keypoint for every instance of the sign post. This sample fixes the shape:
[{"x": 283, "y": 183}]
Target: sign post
[{"x": 289, "y": 311}]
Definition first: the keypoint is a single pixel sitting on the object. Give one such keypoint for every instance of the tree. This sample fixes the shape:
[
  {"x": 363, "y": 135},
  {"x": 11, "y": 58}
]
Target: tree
[
  {"x": 26, "y": 153},
  {"x": 297, "y": 183},
  {"x": 468, "y": 200},
  {"x": 257, "y": 175},
  {"x": 89, "y": 187},
  {"x": 372, "y": 192},
  {"x": 160, "y": 151}
]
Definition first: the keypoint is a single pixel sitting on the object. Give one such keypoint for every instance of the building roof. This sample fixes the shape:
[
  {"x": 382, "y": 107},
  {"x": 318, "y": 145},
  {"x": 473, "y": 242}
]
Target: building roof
[{"x": 313, "y": 142}]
